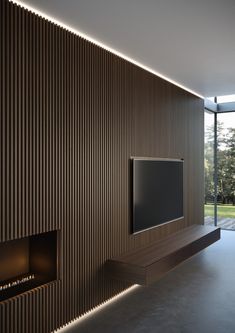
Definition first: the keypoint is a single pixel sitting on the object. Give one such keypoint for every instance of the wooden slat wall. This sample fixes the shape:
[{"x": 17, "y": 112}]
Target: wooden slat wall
[{"x": 71, "y": 115}]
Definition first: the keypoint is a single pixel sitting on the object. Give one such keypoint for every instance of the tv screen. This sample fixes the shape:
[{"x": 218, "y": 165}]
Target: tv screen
[{"x": 157, "y": 192}]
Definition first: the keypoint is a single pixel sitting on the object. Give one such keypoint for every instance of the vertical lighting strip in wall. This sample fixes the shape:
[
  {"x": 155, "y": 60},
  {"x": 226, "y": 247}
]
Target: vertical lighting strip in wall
[
  {"x": 98, "y": 43},
  {"x": 100, "y": 307}
]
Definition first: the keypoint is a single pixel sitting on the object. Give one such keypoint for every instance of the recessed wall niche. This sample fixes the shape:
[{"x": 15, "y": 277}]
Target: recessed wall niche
[{"x": 27, "y": 263}]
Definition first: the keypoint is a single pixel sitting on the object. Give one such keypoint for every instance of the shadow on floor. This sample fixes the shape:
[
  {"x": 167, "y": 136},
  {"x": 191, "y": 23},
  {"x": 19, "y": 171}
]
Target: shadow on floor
[{"x": 196, "y": 297}]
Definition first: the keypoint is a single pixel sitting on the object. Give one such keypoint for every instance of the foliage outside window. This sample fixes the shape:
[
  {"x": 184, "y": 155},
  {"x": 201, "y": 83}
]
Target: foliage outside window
[{"x": 225, "y": 164}]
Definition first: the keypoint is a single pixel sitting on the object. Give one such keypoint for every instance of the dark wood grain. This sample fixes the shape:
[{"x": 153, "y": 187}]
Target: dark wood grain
[
  {"x": 147, "y": 264},
  {"x": 71, "y": 116}
]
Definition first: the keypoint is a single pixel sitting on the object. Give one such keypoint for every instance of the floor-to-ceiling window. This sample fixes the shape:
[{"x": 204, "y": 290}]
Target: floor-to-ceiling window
[
  {"x": 209, "y": 166},
  {"x": 226, "y": 170},
  {"x": 220, "y": 169}
]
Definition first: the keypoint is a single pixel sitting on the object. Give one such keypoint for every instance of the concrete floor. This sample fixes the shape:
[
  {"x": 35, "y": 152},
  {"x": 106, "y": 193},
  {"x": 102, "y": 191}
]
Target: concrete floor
[{"x": 196, "y": 297}]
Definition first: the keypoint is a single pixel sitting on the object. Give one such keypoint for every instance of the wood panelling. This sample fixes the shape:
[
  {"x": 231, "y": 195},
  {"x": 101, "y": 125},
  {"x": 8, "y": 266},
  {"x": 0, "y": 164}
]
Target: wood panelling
[{"x": 71, "y": 115}]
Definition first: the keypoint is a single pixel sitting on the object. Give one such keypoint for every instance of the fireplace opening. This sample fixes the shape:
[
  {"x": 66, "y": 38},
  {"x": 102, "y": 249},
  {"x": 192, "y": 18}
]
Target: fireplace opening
[{"x": 27, "y": 263}]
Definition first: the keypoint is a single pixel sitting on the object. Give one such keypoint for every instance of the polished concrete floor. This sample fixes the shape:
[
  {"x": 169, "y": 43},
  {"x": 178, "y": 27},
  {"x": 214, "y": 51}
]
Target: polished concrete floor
[{"x": 196, "y": 297}]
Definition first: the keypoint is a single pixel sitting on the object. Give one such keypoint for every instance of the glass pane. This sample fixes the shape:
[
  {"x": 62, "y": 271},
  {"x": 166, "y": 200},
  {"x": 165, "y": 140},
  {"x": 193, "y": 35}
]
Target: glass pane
[
  {"x": 226, "y": 170},
  {"x": 209, "y": 168},
  {"x": 212, "y": 99},
  {"x": 226, "y": 99}
]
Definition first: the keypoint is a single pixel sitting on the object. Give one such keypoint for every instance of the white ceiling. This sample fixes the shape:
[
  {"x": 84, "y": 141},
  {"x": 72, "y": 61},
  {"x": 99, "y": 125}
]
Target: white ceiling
[{"x": 189, "y": 41}]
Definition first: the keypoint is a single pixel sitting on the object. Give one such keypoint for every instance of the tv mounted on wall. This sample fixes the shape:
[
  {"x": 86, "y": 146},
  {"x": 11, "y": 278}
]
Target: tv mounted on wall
[{"x": 157, "y": 192}]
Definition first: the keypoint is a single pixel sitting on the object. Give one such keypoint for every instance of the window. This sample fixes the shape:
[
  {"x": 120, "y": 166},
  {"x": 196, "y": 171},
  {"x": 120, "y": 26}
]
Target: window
[{"x": 220, "y": 169}]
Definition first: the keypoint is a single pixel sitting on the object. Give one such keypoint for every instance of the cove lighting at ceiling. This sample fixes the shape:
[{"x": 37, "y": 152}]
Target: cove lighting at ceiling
[
  {"x": 76, "y": 321},
  {"x": 96, "y": 42}
]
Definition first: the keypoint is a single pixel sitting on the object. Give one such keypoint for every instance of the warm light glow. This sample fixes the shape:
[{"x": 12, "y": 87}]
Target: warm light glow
[
  {"x": 17, "y": 282},
  {"x": 76, "y": 321},
  {"x": 95, "y": 41}
]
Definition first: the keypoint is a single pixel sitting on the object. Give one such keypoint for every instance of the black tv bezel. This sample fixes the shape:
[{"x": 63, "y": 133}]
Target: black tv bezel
[{"x": 133, "y": 158}]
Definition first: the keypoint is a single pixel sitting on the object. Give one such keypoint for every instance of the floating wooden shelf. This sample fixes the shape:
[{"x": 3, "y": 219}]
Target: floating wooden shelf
[{"x": 147, "y": 264}]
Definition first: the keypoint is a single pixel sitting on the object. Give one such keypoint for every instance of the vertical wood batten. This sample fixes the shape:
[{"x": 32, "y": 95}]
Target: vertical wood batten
[{"x": 71, "y": 116}]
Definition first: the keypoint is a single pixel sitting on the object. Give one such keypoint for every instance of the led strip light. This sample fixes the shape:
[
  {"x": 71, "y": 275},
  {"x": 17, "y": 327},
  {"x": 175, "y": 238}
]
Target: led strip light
[
  {"x": 96, "y": 42},
  {"x": 88, "y": 314}
]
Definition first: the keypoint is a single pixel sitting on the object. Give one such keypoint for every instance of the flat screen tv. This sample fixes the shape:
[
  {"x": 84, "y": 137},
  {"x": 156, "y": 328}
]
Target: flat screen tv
[{"x": 157, "y": 192}]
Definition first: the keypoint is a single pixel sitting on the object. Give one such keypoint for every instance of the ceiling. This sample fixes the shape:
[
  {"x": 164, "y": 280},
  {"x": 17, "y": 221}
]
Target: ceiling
[{"x": 189, "y": 41}]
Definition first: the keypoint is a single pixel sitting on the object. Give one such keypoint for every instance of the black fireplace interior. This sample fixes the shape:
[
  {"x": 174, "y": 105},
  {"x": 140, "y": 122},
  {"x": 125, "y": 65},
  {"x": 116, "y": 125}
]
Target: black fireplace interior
[{"x": 27, "y": 263}]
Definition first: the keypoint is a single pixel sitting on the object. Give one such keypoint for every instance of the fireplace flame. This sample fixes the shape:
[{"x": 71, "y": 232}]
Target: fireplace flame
[{"x": 17, "y": 282}]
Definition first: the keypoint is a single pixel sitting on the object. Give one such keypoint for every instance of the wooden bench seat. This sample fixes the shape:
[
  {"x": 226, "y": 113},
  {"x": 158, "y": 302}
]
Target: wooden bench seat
[{"x": 147, "y": 264}]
